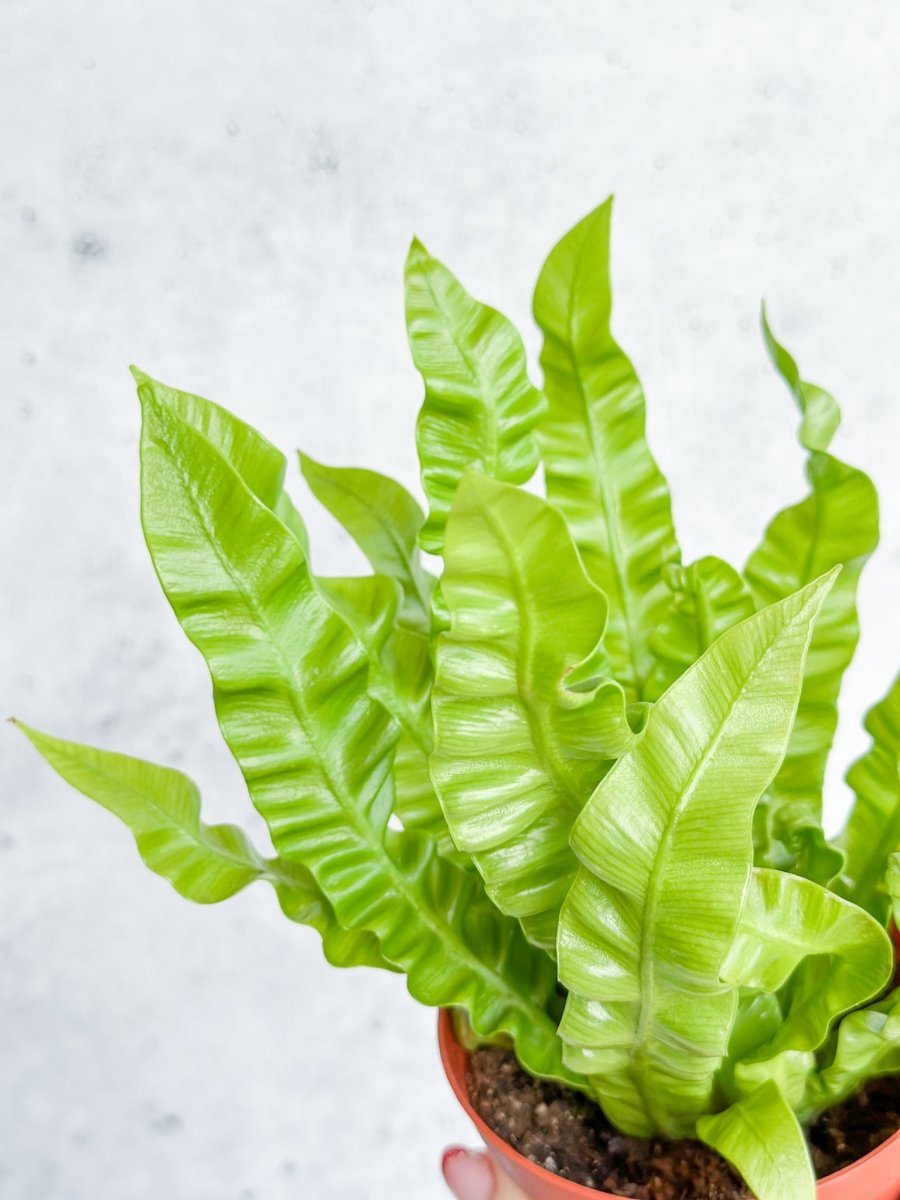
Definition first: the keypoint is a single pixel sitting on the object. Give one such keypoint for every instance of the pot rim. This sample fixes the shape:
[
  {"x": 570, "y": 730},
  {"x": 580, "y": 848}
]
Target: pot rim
[{"x": 447, "y": 1038}]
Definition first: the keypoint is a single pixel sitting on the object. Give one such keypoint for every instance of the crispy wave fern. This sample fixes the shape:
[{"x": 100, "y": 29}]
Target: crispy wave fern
[{"x": 572, "y": 786}]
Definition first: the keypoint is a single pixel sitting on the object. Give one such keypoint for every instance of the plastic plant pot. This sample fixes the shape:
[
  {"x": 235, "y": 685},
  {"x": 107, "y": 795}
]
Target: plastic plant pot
[{"x": 875, "y": 1177}]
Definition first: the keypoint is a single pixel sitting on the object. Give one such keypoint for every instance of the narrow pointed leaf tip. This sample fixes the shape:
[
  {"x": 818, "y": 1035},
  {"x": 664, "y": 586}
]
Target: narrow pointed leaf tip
[
  {"x": 204, "y": 863},
  {"x": 820, "y": 415},
  {"x": 572, "y": 789},
  {"x": 837, "y": 523},
  {"x": 260, "y": 465},
  {"x": 599, "y": 470},
  {"x": 480, "y": 408}
]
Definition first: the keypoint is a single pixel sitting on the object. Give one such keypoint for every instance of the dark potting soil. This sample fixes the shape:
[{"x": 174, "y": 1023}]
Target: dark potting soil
[{"x": 567, "y": 1134}]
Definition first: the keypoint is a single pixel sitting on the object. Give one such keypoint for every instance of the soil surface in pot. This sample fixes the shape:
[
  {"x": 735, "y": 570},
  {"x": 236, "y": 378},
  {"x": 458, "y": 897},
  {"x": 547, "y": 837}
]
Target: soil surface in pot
[{"x": 569, "y": 1135}]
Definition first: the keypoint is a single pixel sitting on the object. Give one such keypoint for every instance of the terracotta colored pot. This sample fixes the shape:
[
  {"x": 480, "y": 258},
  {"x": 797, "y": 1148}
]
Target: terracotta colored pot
[{"x": 875, "y": 1177}]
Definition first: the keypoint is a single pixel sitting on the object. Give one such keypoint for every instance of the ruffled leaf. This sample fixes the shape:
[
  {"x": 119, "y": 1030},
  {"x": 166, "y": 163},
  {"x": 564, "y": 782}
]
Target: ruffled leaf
[
  {"x": 763, "y": 1140},
  {"x": 384, "y": 520},
  {"x": 290, "y": 685},
  {"x": 517, "y": 749},
  {"x": 837, "y": 523},
  {"x": 400, "y": 677},
  {"x": 708, "y": 597},
  {"x": 417, "y": 803},
  {"x": 834, "y": 954},
  {"x": 260, "y": 464},
  {"x": 599, "y": 470},
  {"x": 204, "y": 863},
  {"x": 892, "y": 883},
  {"x": 873, "y": 829},
  {"x": 865, "y": 1045},
  {"x": 368, "y": 603},
  {"x": 480, "y": 408},
  {"x": 666, "y": 852}
]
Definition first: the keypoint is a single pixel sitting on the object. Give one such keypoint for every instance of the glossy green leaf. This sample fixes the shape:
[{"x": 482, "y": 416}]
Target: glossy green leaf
[
  {"x": 666, "y": 855},
  {"x": 368, "y": 603},
  {"x": 290, "y": 685},
  {"x": 834, "y": 954},
  {"x": 790, "y": 837},
  {"x": 480, "y": 408},
  {"x": 417, "y": 804},
  {"x": 400, "y": 677},
  {"x": 790, "y": 1070},
  {"x": 623, "y": 786},
  {"x": 873, "y": 829},
  {"x": 599, "y": 470},
  {"x": 837, "y": 523},
  {"x": 384, "y": 520},
  {"x": 757, "y": 1020},
  {"x": 409, "y": 667},
  {"x": 408, "y": 674},
  {"x": 892, "y": 883},
  {"x": 204, "y": 863},
  {"x": 260, "y": 464},
  {"x": 865, "y": 1045},
  {"x": 525, "y": 723},
  {"x": 708, "y": 597},
  {"x": 762, "y": 1138}
]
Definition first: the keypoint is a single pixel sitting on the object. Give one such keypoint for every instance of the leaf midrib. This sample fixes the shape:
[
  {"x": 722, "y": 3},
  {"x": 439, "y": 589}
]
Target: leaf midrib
[
  {"x": 194, "y": 836},
  {"x": 446, "y": 933},
  {"x": 489, "y": 415},
  {"x": 651, "y": 905},
  {"x": 602, "y": 490},
  {"x": 538, "y": 716}
]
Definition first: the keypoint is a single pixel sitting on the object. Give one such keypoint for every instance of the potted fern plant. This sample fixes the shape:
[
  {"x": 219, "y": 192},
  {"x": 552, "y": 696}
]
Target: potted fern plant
[{"x": 572, "y": 788}]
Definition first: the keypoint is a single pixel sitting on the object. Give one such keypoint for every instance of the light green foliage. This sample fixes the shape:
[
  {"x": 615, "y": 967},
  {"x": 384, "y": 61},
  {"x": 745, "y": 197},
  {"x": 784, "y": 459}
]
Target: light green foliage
[
  {"x": 571, "y": 788},
  {"x": 600, "y": 472},
  {"x": 261, "y": 466},
  {"x": 865, "y": 1045},
  {"x": 666, "y": 854},
  {"x": 480, "y": 408},
  {"x": 892, "y": 884},
  {"x": 837, "y": 523},
  {"x": 872, "y": 834},
  {"x": 290, "y": 684},
  {"x": 525, "y": 719},
  {"x": 384, "y": 520},
  {"x": 833, "y": 953},
  {"x": 708, "y": 597},
  {"x": 204, "y": 863},
  {"x": 762, "y": 1138}
]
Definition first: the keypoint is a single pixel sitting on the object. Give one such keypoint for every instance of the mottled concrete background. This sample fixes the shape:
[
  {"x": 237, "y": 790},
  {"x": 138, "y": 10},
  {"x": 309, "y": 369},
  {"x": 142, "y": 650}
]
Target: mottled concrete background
[{"x": 223, "y": 193}]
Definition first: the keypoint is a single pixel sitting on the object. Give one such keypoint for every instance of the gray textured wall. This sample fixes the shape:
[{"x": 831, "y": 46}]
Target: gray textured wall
[{"x": 223, "y": 193}]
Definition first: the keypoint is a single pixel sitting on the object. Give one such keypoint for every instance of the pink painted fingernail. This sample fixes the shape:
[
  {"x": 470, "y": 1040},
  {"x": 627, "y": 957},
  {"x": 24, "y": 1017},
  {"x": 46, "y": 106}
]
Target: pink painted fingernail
[{"x": 469, "y": 1175}]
